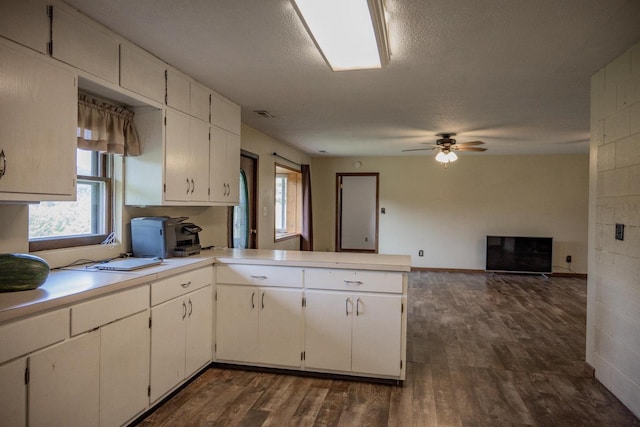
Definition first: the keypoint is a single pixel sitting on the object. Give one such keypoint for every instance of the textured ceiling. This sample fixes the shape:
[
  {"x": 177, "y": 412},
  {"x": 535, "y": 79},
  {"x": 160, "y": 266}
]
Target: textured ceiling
[{"x": 513, "y": 73}]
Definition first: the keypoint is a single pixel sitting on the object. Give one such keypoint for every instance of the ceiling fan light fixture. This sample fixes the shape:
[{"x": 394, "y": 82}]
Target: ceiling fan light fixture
[
  {"x": 350, "y": 34},
  {"x": 446, "y": 157}
]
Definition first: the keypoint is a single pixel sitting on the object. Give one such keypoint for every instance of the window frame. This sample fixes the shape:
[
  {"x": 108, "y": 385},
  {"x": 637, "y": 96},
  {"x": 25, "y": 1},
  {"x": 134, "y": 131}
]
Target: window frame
[
  {"x": 102, "y": 164},
  {"x": 293, "y": 207}
]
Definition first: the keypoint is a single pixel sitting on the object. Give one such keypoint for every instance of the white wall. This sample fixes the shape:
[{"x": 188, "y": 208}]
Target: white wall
[
  {"x": 264, "y": 146},
  {"x": 613, "y": 303},
  {"x": 448, "y": 212}
]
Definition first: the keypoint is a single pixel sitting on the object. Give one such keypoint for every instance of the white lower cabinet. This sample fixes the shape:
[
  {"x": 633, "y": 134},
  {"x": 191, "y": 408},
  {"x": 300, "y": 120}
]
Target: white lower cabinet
[
  {"x": 180, "y": 339},
  {"x": 124, "y": 369},
  {"x": 352, "y": 332},
  {"x": 259, "y": 325},
  {"x": 64, "y": 383},
  {"x": 13, "y": 393}
]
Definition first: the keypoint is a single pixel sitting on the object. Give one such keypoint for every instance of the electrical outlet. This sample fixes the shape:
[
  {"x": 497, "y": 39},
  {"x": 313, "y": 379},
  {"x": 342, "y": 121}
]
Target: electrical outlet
[
  {"x": 420, "y": 252},
  {"x": 568, "y": 258}
]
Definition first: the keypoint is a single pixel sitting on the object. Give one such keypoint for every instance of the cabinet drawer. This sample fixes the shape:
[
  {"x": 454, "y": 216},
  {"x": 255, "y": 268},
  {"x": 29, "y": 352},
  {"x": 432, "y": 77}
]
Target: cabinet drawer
[
  {"x": 262, "y": 275},
  {"x": 93, "y": 314},
  {"x": 353, "y": 280},
  {"x": 33, "y": 333},
  {"x": 174, "y": 286}
]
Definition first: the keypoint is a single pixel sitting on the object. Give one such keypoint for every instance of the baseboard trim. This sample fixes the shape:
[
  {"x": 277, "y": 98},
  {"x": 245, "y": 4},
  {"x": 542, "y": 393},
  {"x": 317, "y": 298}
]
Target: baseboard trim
[
  {"x": 589, "y": 369},
  {"x": 471, "y": 271}
]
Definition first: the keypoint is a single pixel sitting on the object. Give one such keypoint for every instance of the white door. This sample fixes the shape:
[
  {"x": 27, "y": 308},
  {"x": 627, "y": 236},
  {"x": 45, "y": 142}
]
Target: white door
[
  {"x": 198, "y": 163},
  {"x": 40, "y": 153},
  {"x": 176, "y": 156},
  {"x": 124, "y": 369},
  {"x": 377, "y": 334},
  {"x": 199, "y": 329},
  {"x": 280, "y": 329},
  {"x": 64, "y": 383},
  {"x": 237, "y": 323},
  {"x": 167, "y": 346},
  {"x": 328, "y": 330},
  {"x": 358, "y": 212},
  {"x": 13, "y": 393}
]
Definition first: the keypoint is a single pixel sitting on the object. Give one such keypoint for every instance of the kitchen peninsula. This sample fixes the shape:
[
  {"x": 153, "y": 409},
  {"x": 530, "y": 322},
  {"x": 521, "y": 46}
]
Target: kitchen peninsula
[{"x": 118, "y": 342}]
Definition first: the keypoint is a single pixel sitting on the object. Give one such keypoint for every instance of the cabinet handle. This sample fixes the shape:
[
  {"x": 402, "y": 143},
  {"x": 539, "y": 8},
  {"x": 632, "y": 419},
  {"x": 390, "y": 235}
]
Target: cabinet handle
[
  {"x": 259, "y": 277},
  {"x": 3, "y": 164},
  {"x": 193, "y": 186},
  {"x": 262, "y": 300},
  {"x": 188, "y": 186},
  {"x": 253, "y": 294},
  {"x": 186, "y": 285},
  {"x": 358, "y": 307},
  {"x": 346, "y": 306},
  {"x": 190, "y": 307},
  {"x": 184, "y": 310},
  {"x": 353, "y": 282}
]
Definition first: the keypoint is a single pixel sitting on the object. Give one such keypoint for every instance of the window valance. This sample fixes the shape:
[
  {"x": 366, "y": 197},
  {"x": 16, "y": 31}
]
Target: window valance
[{"x": 106, "y": 127}]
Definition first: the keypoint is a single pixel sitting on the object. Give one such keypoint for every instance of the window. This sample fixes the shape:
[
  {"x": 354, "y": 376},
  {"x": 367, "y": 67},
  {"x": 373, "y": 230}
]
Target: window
[
  {"x": 87, "y": 221},
  {"x": 288, "y": 203}
]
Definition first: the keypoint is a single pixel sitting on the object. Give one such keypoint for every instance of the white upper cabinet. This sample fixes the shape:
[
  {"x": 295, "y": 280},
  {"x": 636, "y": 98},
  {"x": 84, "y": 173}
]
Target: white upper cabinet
[
  {"x": 142, "y": 73},
  {"x": 38, "y": 122},
  {"x": 25, "y": 22},
  {"x": 178, "y": 91},
  {"x": 225, "y": 114},
  {"x": 224, "y": 166},
  {"x": 199, "y": 102},
  {"x": 83, "y": 43}
]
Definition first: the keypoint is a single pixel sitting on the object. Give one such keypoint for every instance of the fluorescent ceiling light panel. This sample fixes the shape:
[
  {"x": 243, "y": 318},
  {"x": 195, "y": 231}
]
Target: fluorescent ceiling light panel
[{"x": 351, "y": 34}]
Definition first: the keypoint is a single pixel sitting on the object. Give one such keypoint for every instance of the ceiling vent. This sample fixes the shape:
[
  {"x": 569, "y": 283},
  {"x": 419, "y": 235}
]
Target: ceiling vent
[{"x": 264, "y": 113}]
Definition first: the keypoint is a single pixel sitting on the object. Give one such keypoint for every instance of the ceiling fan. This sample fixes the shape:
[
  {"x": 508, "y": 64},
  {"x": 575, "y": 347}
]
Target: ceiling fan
[{"x": 447, "y": 145}]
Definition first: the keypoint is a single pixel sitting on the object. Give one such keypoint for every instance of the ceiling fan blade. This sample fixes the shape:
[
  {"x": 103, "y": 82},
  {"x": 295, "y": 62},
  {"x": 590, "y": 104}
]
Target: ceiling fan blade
[
  {"x": 419, "y": 149},
  {"x": 462, "y": 144},
  {"x": 468, "y": 148}
]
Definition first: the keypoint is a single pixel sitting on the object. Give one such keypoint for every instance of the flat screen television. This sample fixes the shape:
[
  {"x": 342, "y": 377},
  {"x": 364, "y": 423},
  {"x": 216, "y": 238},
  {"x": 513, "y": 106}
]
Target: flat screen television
[{"x": 516, "y": 254}]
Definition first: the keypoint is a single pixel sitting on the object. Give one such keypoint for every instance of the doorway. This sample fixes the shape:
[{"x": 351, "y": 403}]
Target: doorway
[
  {"x": 243, "y": 219},
  {"x": 357, "y": 212}
]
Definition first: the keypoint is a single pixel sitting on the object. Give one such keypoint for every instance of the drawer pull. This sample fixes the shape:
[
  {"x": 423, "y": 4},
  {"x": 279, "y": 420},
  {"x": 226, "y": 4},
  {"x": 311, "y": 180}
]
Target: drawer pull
[
  {"x": 259, "y": 277},
  {"x": 186, "y": 285},
  {"x": 353, "y": 282}
]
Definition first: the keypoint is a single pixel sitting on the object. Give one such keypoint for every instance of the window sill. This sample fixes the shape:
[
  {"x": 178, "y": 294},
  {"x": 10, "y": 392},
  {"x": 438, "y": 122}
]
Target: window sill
[{"x": 285, "y": 236}]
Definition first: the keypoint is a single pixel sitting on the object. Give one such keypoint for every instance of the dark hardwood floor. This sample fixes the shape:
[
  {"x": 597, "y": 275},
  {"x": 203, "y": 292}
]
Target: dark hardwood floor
[{"x": 483, "y": 350}]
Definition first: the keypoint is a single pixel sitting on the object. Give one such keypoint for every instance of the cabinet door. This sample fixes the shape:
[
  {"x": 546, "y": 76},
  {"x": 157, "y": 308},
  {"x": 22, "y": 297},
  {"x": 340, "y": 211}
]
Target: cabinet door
[
  {"x": 280, "y": 328},
  {"x": 25, "y": 22},
  {"x": 178, "y": 91},
  {"x": 198, "y": 163},
  {"x": 141, "y": 73},
  {"x": 13, "y": 393},
  {"x": 199, "y": 102},
  {"x": 199, "y": 329},
  {"x": 217, "y": 165},
  {"x": 167, "y": 346},
  {"x": 64, "y": 383},
  {"x": 328, "y": 330},
  {"x": 38, "y": 122},
  {"x": 176, "y": 160},
  {"x": 233, "y": 167},
  {"x": 124, "y": 369},
  {"x": 377, "y": 327},
  {"x": 237, "y": 323},
  {"x": 83, "y": 43}
]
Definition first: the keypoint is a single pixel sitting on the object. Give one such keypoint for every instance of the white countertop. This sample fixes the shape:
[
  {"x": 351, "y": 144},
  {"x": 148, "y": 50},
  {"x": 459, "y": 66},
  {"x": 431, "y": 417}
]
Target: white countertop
[{"x": 71, "y": 285}]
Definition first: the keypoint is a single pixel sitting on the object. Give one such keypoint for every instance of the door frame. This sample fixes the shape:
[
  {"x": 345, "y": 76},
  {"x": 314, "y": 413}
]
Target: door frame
[
  {"x": 338, "y": 237},
  {"x": 253, "y": 205}
]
